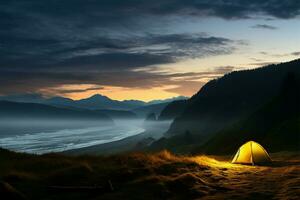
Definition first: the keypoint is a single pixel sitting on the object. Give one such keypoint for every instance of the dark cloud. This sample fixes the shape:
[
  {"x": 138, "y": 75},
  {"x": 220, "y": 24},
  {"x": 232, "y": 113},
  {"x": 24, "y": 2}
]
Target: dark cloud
[
  {"x": 114, "y": 10},
  {"x": 260, "y": 64},
  {"x": 106, "y": 54},
  {"x": 35, "y": 82},
  {"x": 61, "y": 91},
  {"x": 54, "y": 42},
  {"x": 187, "y": 88},
  {"x": 189, "y": 85},
  {"x": 264, "y": 26},
  {"x": 224, "y": 69},
  {"x": 146, "y": 51},
  {"x": 297, "y": 53}
]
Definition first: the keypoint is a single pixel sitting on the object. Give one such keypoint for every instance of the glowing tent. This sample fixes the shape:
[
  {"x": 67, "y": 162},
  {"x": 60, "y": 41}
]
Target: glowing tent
[{"x": 251, "y": 153}]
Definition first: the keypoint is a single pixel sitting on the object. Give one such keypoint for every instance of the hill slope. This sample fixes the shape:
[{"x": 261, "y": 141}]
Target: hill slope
[
  {"x": 276, "y": 125},
  {"x": 173, "y": 110},
  {"x": 225, "y": 101},
  {"x": 153, "y": 108}
]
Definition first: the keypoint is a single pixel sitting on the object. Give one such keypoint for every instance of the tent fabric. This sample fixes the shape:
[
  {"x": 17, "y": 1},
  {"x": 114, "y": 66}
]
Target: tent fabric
[{"x": 251, "y": 153}]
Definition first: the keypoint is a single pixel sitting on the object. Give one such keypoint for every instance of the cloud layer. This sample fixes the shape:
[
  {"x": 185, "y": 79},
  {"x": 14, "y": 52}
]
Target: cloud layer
[
  {"x": 264, "y": 26},
  {"x": 112, "y": 42}
]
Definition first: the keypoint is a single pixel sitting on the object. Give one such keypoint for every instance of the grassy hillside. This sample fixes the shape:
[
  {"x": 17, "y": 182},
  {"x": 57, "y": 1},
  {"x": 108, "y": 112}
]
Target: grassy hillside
[{"x": 145, "y": 176}]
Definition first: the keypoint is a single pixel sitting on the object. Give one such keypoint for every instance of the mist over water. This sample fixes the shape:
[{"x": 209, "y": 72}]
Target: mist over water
[{"x": 69, "y": 138}]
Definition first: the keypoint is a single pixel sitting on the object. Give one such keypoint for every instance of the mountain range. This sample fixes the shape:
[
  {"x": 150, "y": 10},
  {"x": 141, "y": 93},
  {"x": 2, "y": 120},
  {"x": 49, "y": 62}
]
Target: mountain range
[
  {"x": 39, "y": 111},
  {"x": 94, "y": 102}
]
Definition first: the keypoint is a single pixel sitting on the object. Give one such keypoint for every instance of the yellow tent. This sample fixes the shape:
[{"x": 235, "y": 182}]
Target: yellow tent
[{"x": 251, "y": 153}]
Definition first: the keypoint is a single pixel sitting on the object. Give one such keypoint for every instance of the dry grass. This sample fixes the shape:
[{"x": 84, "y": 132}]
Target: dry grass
[{"x": 147, "y": 176}]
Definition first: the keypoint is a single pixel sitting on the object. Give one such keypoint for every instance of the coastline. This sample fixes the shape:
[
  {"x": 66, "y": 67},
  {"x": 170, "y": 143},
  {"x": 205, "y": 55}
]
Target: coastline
[
  {"x": 67, "y": 139},
  {"x": 109, "y": 148},
  {"x": 121, "y": 146}
]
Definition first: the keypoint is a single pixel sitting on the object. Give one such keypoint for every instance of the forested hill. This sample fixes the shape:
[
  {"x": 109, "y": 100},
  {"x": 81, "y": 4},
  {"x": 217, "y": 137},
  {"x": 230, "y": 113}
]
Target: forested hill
[
  {"x": 229, "y": 99},
  {"x": 276, "y": 125}
]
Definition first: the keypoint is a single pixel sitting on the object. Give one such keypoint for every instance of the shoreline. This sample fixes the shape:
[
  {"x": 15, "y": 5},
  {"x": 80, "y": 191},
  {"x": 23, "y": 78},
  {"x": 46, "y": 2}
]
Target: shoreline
[
  {"x": 121, "y": 146},
  {"x": 65, "y": 140}
]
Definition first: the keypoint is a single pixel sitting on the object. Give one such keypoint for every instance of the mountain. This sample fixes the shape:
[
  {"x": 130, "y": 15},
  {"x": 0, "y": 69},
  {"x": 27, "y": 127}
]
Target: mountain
[
  {"x": 38, "y": 98},
  {"x": 153, "y": 108},
  {"x": 276, "y": 125},
  {"x": 100, "y": 102},
  {"x": 17, "y": 118},
  {"x": 40, "y": 111},
  {"x": 224, "y": 101},
  {"x": 134, "y": 103},
  {"x": 94, "y": 102},
  {"x": 151, "y": 118},
  {"x": 118, "y": 114},
  {"x": 59, "y": 101},
  {"x": 173, "y": 110},
  {"x": 156, "y": 106},
  {"x": 24, "y": 98},
  {"x": 167, "y": 100}
]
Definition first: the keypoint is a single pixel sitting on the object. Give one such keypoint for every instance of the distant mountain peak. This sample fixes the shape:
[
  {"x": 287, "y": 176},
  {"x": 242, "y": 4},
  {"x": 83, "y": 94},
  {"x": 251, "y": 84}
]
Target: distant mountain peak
[
  {"x": 96, "y": 101},
  {"x": 96, "y": 98}
]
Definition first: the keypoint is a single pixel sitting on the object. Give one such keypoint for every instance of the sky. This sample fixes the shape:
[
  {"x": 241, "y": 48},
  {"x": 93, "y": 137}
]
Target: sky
[{"x": 139, "y": 49}]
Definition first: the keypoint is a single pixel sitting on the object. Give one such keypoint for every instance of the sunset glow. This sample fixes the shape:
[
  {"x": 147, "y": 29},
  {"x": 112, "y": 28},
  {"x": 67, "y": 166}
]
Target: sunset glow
[{"x": 144, "y": 53}]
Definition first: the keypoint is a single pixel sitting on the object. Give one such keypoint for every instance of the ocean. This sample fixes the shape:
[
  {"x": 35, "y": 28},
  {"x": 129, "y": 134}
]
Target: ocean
[{"x": 66, "y": 139}]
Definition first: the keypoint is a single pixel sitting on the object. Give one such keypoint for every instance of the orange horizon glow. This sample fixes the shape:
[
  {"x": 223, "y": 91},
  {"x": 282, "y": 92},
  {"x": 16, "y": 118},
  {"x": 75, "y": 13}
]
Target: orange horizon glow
[
  {"x": 114, "y": 93},
  {"x": 130, "y": 94}
]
